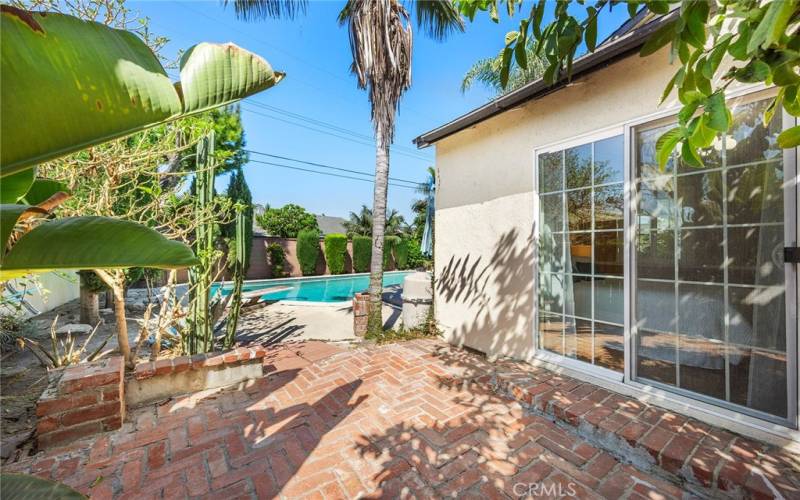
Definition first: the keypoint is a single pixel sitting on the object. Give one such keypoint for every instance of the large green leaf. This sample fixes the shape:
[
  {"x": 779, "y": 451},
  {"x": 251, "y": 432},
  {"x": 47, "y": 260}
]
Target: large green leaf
[
  {"x": 93, "y": 243},
  {"x": 9, "y": 214},
  {"x": 42, "y": 189},
  {"x": 69, "y": 84},
  {"x": 14, "y": 187},
  {"x": 23, "y": 486}
]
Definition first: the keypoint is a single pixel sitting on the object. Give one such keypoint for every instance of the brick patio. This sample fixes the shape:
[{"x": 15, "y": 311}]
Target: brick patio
[{"x": 413, "y": 419}]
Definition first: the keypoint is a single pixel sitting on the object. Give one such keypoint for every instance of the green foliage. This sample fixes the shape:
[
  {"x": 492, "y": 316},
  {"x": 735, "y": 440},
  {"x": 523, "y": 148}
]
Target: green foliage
[
  {"x": 239, "y": 193},
  {"x": 277, "y": 259},
  {"x": 44, "y": 106},
  {"x": 92, "y": 282},
  {"x": 287, "y": 221},
  {"x": 238, "y": 278},
  {"x": 22, "y": 486},
  {"x": 362, "y": 253},
  {"x": 401, "y": 253},
  {"x": 415, "y": 258},
  {"x": 335, "y": 251},
  {"x": 389, "y": 245},
  {"x": 308, "y": 251},
  {"x": 764, "y": 45},
  {"x": 488, "y": 72},
  {"x": 361, "y": 223}
]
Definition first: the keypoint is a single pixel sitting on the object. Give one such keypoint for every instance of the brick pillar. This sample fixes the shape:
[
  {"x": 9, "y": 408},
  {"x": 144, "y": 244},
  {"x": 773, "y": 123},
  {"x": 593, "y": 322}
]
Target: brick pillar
[
  {"x": 360, "y": 310},
  {"x": 81, "y": 400}
]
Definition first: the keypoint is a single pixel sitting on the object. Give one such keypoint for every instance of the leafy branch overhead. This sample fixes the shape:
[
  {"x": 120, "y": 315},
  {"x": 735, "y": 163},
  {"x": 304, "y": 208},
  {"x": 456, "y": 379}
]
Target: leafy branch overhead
[
  {"x": 69, "y": 84},
  {"x": 713, "y": 45}
]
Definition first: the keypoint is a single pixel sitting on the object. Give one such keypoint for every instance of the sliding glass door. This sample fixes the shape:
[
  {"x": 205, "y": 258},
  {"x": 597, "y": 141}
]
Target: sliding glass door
[
  {"x": 581, "y": 246},
  {"x": 710, "y": 281},
  {"x": 701, "y": 285}
]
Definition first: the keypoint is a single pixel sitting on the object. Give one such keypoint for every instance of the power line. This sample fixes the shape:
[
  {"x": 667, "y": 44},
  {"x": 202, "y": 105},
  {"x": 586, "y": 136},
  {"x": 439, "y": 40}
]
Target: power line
[
  {"x": 323, "y": 124},
  {"x": 347, "y": 138},
  {"x": 322, "y": 165},
  {"x": 371, "y": 181}
]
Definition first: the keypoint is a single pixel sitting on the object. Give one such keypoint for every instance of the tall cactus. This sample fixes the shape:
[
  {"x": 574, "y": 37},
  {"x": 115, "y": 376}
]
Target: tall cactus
[
  {"x": 237, "y": 266},
  {"x": 201, "y": 330}
]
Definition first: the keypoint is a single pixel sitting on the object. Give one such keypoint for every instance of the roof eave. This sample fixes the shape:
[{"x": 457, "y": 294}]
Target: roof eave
[{"x": 589, "y": 63}]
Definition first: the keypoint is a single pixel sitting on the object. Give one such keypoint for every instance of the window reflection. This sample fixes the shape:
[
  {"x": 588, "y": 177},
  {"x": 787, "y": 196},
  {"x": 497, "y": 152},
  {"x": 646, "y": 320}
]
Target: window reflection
[
  {"x": 592, "y": 253},
  {"x": 551, "y": 172},
  {"x": 710, "y": 310}
]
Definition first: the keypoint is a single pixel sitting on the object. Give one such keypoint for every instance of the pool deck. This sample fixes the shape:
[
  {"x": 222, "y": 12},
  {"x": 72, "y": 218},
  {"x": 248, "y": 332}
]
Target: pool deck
[{"x": 281, "y": 321}]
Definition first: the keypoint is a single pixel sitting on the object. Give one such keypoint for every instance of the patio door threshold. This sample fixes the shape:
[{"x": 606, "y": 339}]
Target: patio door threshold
[{"x": 754, "y": 428}]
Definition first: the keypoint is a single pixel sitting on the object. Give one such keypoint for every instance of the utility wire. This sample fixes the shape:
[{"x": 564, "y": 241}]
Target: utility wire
[
  {"x": 371, "y": 181},
  {"x": 322, "y": 165},
  {"x": 323, "y": 124},
  {"x": 326, "y": 132}
]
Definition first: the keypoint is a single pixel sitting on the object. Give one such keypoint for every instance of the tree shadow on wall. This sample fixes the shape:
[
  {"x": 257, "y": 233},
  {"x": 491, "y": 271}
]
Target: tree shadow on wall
[{"x": 497, "y": 295}]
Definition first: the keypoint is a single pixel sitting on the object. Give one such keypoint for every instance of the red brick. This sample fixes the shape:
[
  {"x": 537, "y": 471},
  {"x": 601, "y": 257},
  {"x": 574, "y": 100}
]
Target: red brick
[
  {"x": 703, "y": 462},
  {"x": 674, "y": 455},
  {"x": 68, "y": 386},
  {"x": 181, "y": 364},
  {"x": 92, "y": 413},
  {"x": 131, "y": 476},
  {"x": 111, "y": 394},
  {"x": 163, "y": 366},
  {"x": 69, "y": 434},
  {"x": 144, "y": 370},
  {"x": 213, "y": 360},
  {"x": 112, "y": 423},
  {"x": 156, "y": 455},
  {"x": 198, "y": 361},
  {"x": 633, "y": 432},
  {"x": 51, "y": 406},
  {"x": 655, "y": 440},
  {"x": 47, "y": 424},
  {"x": 601, "y": 465},
  {"x": 230, "y": 357}
]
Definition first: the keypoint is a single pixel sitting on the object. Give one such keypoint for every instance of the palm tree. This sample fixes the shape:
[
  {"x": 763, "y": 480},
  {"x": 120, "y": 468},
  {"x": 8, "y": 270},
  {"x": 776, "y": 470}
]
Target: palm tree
[
  {"x": 381, "y": 42},
  {"x": 361, "y": 223},
  {"x": 487, "y": 71}
]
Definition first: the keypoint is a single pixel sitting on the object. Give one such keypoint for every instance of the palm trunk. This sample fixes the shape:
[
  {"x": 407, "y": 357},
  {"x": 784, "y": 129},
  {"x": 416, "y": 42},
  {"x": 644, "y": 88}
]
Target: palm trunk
[{"x": 375, "y": 318}]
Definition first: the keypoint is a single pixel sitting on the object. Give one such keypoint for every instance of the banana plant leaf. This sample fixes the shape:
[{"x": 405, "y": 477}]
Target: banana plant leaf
[
  {"x": 69, "y": 84},
  {"x": 23, "y": 486},
  {"x": 15, "y": 186},
  {"x": 92, "y": 243},
  {"x": 42, "y": 189}
]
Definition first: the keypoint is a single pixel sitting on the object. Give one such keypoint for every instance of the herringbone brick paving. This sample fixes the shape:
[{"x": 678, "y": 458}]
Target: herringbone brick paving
[{"x": 371, "y": 422}]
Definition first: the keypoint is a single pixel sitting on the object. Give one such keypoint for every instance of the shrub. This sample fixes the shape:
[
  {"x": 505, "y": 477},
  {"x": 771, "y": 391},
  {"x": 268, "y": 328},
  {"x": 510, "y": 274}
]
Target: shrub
[
  {"x": 287, "y": 221},
  {"x": 389, "y": 244},
  {"x": 415, "y": 258},
  {"x": 277, "y": 259},
  {"x": 308, "y": 250},
  {"x": 401, "y": 254},
  {"x": 335, "y": 250},
  {"x": 362, "y": 253}
]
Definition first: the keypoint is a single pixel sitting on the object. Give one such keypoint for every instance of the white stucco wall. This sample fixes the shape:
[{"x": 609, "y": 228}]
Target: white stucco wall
[
  {"x": 484, "y": 200},
  {"x": 49, "y": 290}
]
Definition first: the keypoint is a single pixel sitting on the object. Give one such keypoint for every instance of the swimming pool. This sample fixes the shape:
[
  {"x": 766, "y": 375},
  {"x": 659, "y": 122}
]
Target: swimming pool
[{"x": 318, "y": 288}]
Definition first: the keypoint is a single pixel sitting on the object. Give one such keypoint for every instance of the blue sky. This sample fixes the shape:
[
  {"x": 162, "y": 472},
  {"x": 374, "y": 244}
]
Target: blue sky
[{"x": 314, "y": 52}]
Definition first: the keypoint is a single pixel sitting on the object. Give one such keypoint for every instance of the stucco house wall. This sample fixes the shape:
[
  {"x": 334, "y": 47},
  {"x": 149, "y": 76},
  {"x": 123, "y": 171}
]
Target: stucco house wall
[{"x": 484, "y": 200}]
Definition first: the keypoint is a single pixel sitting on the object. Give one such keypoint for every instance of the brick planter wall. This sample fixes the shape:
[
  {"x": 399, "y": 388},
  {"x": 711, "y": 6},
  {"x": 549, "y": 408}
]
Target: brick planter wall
[
  {"x": 360, "y": 311},
  {"x": 80, "y": 401},
  {"x": 152, "y": 381}
]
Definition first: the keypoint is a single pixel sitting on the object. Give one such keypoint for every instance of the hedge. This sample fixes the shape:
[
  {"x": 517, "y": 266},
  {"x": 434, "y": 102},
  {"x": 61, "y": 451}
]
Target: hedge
[
  {"x": 389, "y": 244},
  {"x": 308, "y": 250},
  {"x": 401, "y": 254},
  {"x": 277, "y": 259},
  {"x": 335, "y": 251},
  {"x": 362, "y": 253}
]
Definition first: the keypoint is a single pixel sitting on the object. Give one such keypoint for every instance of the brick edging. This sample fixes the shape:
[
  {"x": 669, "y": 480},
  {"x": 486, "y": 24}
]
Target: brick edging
[
  {"x": 683, "y": 450},
  {"x": 168, "y": 366}
]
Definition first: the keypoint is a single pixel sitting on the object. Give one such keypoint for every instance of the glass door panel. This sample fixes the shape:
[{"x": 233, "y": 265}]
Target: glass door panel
[
  {"x": 709, "y": 291},
  {"x": 580, "y": 252}
]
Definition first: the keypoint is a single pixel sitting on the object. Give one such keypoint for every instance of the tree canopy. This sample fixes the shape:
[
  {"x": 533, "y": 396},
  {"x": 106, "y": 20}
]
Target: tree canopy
[{"x": 287, "y": 221}]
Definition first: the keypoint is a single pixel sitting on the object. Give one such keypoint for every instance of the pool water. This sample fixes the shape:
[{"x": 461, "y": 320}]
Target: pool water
[{"x": 319, "y": 289}]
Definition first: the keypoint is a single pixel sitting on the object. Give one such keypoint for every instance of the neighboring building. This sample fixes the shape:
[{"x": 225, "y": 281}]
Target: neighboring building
[
  {"x": 559, "y": 241},
  {"x": 329, "y": 225}
]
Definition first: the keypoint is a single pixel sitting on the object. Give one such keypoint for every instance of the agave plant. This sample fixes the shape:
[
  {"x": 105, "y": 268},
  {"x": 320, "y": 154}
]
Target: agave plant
[{"x": 69, "y": 84}]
